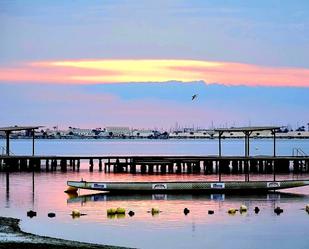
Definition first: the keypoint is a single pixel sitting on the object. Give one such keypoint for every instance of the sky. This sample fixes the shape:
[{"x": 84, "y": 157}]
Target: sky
[{"x": 137, "y": 63}]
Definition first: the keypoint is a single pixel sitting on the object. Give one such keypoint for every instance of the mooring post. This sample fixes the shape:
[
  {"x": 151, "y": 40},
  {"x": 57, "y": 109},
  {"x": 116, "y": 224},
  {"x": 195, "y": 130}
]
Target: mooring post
[
  {"x": 63, "y": 165},
  {"x": 274, "y": 170},
  {"x": 33, "y": 134},
  {"x": 143, "y": 169},
  {"x": 219, "y": 170},
  {"x": 91, "y": 165},
  {"x": 47, "y": 164},
  {"x": 274, "y": 134},
  {"x": 150, "y": 168},
  {"x": 220, "y": 134},
  {"x": 7, "y": 133},
  {"x": 100, "y": 165},
  {"x": 74, "y": 164},
  {"x": 78, "y": 164}
]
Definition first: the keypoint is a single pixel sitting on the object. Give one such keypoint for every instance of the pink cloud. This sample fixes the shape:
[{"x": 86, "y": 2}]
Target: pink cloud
[
  {"x": 250, "y": 75},
  {"x": 119, "y": 71}
]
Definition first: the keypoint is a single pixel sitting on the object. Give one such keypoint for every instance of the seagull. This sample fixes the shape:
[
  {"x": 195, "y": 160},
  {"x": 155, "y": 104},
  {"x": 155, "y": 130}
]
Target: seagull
[{"x": 194, "y": 96}]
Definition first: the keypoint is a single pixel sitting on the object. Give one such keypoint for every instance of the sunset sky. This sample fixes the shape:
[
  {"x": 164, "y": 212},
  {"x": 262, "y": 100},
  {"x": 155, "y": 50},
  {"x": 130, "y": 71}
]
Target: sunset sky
[{"x": 137, "y": 63}]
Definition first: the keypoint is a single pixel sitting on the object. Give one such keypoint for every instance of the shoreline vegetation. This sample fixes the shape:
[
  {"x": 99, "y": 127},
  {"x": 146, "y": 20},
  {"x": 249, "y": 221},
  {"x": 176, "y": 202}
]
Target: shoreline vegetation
[{"x": 11, "y": 236}]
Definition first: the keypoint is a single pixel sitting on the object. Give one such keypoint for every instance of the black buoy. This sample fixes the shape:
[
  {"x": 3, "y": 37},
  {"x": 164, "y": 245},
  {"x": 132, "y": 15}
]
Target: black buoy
[
  {"x": 131, "y": 213},
  {"x": 256, "y": 210},
  {"x": 51, "y": 215},
  {"x": 31, "y": 213},
  {"x": 186, "y": 211},
  {"x": 211, "y": 212},
  {"x": 278, "y": 210}
]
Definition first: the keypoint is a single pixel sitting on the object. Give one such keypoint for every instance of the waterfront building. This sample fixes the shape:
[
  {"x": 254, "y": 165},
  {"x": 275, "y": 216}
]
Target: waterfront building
[
  {"x": 118, "y": 131},
  {"x": 81, "y": 132},
  {"x": 144, "y": 133}
]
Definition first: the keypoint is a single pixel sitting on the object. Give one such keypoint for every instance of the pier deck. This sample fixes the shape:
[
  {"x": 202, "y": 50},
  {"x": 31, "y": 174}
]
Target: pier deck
[{"x": 159, "y": 164}]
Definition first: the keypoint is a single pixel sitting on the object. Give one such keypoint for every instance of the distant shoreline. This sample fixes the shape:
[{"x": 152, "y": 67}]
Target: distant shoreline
[
  {"x": 11, "y": 236},
  {"x": 145, "y": 138}
]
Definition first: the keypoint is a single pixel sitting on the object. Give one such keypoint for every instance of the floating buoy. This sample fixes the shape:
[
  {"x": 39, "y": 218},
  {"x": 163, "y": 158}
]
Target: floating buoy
[
  {"x": 278, "y": 210},
  {"x": 31, "y": 213},
  {"x": 131, "y": 213},
  {"x": 120, "y": 211},
  {"x": 186, "y": 211},
  {"x": 72, "y": 195},
  {"x": 76, "y": 213},
  {"x": 111, "y": 211},
  {"x": 232, "y": 211},
  {"x": 243, "y": 208},
  {"x": 211, "y": 212},
  {"x": 256, "y": 210},
  {"x": 51, "y": 215},
  {"x": 155, "y": 211},
  {"x": 71, "y": 190}
]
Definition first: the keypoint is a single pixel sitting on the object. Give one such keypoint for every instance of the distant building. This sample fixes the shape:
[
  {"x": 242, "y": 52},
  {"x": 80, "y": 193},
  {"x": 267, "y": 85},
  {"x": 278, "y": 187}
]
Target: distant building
[
  {"x": 81, "y": 132},
  {"x": 144, "y": 133},
  {"x": 118, "y": 131}
]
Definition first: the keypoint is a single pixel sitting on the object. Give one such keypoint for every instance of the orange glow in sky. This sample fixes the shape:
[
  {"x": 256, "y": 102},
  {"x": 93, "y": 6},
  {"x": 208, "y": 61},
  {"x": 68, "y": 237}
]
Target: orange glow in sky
[{"x": 146, "y": 70}]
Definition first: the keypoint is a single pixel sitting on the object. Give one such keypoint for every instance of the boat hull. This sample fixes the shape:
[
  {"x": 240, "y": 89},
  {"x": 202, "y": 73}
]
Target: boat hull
[{"x": 196, "y": 186}]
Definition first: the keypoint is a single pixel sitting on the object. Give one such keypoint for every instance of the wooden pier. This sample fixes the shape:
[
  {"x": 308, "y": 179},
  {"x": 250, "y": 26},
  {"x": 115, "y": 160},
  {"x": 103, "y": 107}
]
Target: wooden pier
[
  {"x": 217, "y": 164},
  {"x": 159, "y": 164}
]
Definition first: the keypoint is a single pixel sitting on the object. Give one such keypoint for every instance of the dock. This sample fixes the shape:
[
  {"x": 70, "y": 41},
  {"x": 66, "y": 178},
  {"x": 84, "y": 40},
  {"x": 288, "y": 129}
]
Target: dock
[
  {"x": 159, "y": 164},
  {"x": 208, "y": 164}
]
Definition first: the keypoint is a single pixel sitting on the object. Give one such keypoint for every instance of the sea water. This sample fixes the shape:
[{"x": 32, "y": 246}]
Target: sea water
[{"x": 171, "y": 228}]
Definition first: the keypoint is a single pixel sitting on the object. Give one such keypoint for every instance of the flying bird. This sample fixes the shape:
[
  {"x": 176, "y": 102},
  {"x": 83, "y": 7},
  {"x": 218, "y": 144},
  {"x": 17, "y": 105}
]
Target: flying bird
[{"x": 194, "y": 96}]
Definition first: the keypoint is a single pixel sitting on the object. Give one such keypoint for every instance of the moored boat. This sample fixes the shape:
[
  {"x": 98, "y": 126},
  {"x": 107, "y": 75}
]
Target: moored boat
[{"x": 187, "y": 186}]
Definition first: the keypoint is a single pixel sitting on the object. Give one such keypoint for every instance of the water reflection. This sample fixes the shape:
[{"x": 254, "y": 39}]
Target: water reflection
[
  {"x": 106, "y": 197},
  {"x": 7, "y": 186},
  {"x": 7, "y": 190}
]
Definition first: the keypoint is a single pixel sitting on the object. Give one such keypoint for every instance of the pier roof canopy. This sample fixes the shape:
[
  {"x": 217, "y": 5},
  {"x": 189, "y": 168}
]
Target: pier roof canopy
[
  {"x": 248, "y": 129},
  {"x": 19, "y": 128}
]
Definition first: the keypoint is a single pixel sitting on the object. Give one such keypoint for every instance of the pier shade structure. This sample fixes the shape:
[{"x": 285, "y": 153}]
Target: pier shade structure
[
  {"x": 10, "y": 129},
  {"x": 248, "y": 131}
]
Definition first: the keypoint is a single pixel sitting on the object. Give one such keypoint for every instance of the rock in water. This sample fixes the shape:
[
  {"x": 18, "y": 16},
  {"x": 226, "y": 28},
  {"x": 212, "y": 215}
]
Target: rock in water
[
  {"x": 278, "y": 210},
  {"x": 51, "y": 215},
  {"x": 31, "y": 213}
]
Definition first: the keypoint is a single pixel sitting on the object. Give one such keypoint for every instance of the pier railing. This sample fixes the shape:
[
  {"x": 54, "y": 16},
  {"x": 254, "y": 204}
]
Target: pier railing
[
  {"x": 4, "y": 151},
  {"x": 298, "y": 152}
]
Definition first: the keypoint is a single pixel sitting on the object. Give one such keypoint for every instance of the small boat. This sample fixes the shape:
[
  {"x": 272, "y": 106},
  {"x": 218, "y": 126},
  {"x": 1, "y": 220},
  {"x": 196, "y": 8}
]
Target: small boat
[{"x": 186, "y": 186}]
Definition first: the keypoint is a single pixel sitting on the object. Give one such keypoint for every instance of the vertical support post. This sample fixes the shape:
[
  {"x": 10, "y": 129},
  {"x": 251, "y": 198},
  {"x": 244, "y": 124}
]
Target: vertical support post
[
  {"x": 33, "y": 142},
  {"x": 274, "y": 134},
  {"x": 7, "y": 143},
  {"x": 274, "y": 162},
  {"x": 33, "y": 186},
  {"x": 220, "y": 134},
  {"x": 219, "y": 169},
  {"x": 246, "y": 143}
]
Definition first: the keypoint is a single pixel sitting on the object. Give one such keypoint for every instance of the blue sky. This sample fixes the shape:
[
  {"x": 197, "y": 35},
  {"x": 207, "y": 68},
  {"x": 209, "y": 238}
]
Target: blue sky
[
  {"x": 156, "y": 105},
  {"x": 260, "y": 32}
]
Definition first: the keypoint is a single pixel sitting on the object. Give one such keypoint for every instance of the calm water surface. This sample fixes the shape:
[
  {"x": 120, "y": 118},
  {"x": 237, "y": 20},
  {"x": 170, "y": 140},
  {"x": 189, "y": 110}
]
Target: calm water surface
[{"x": 171, "y": 228}]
